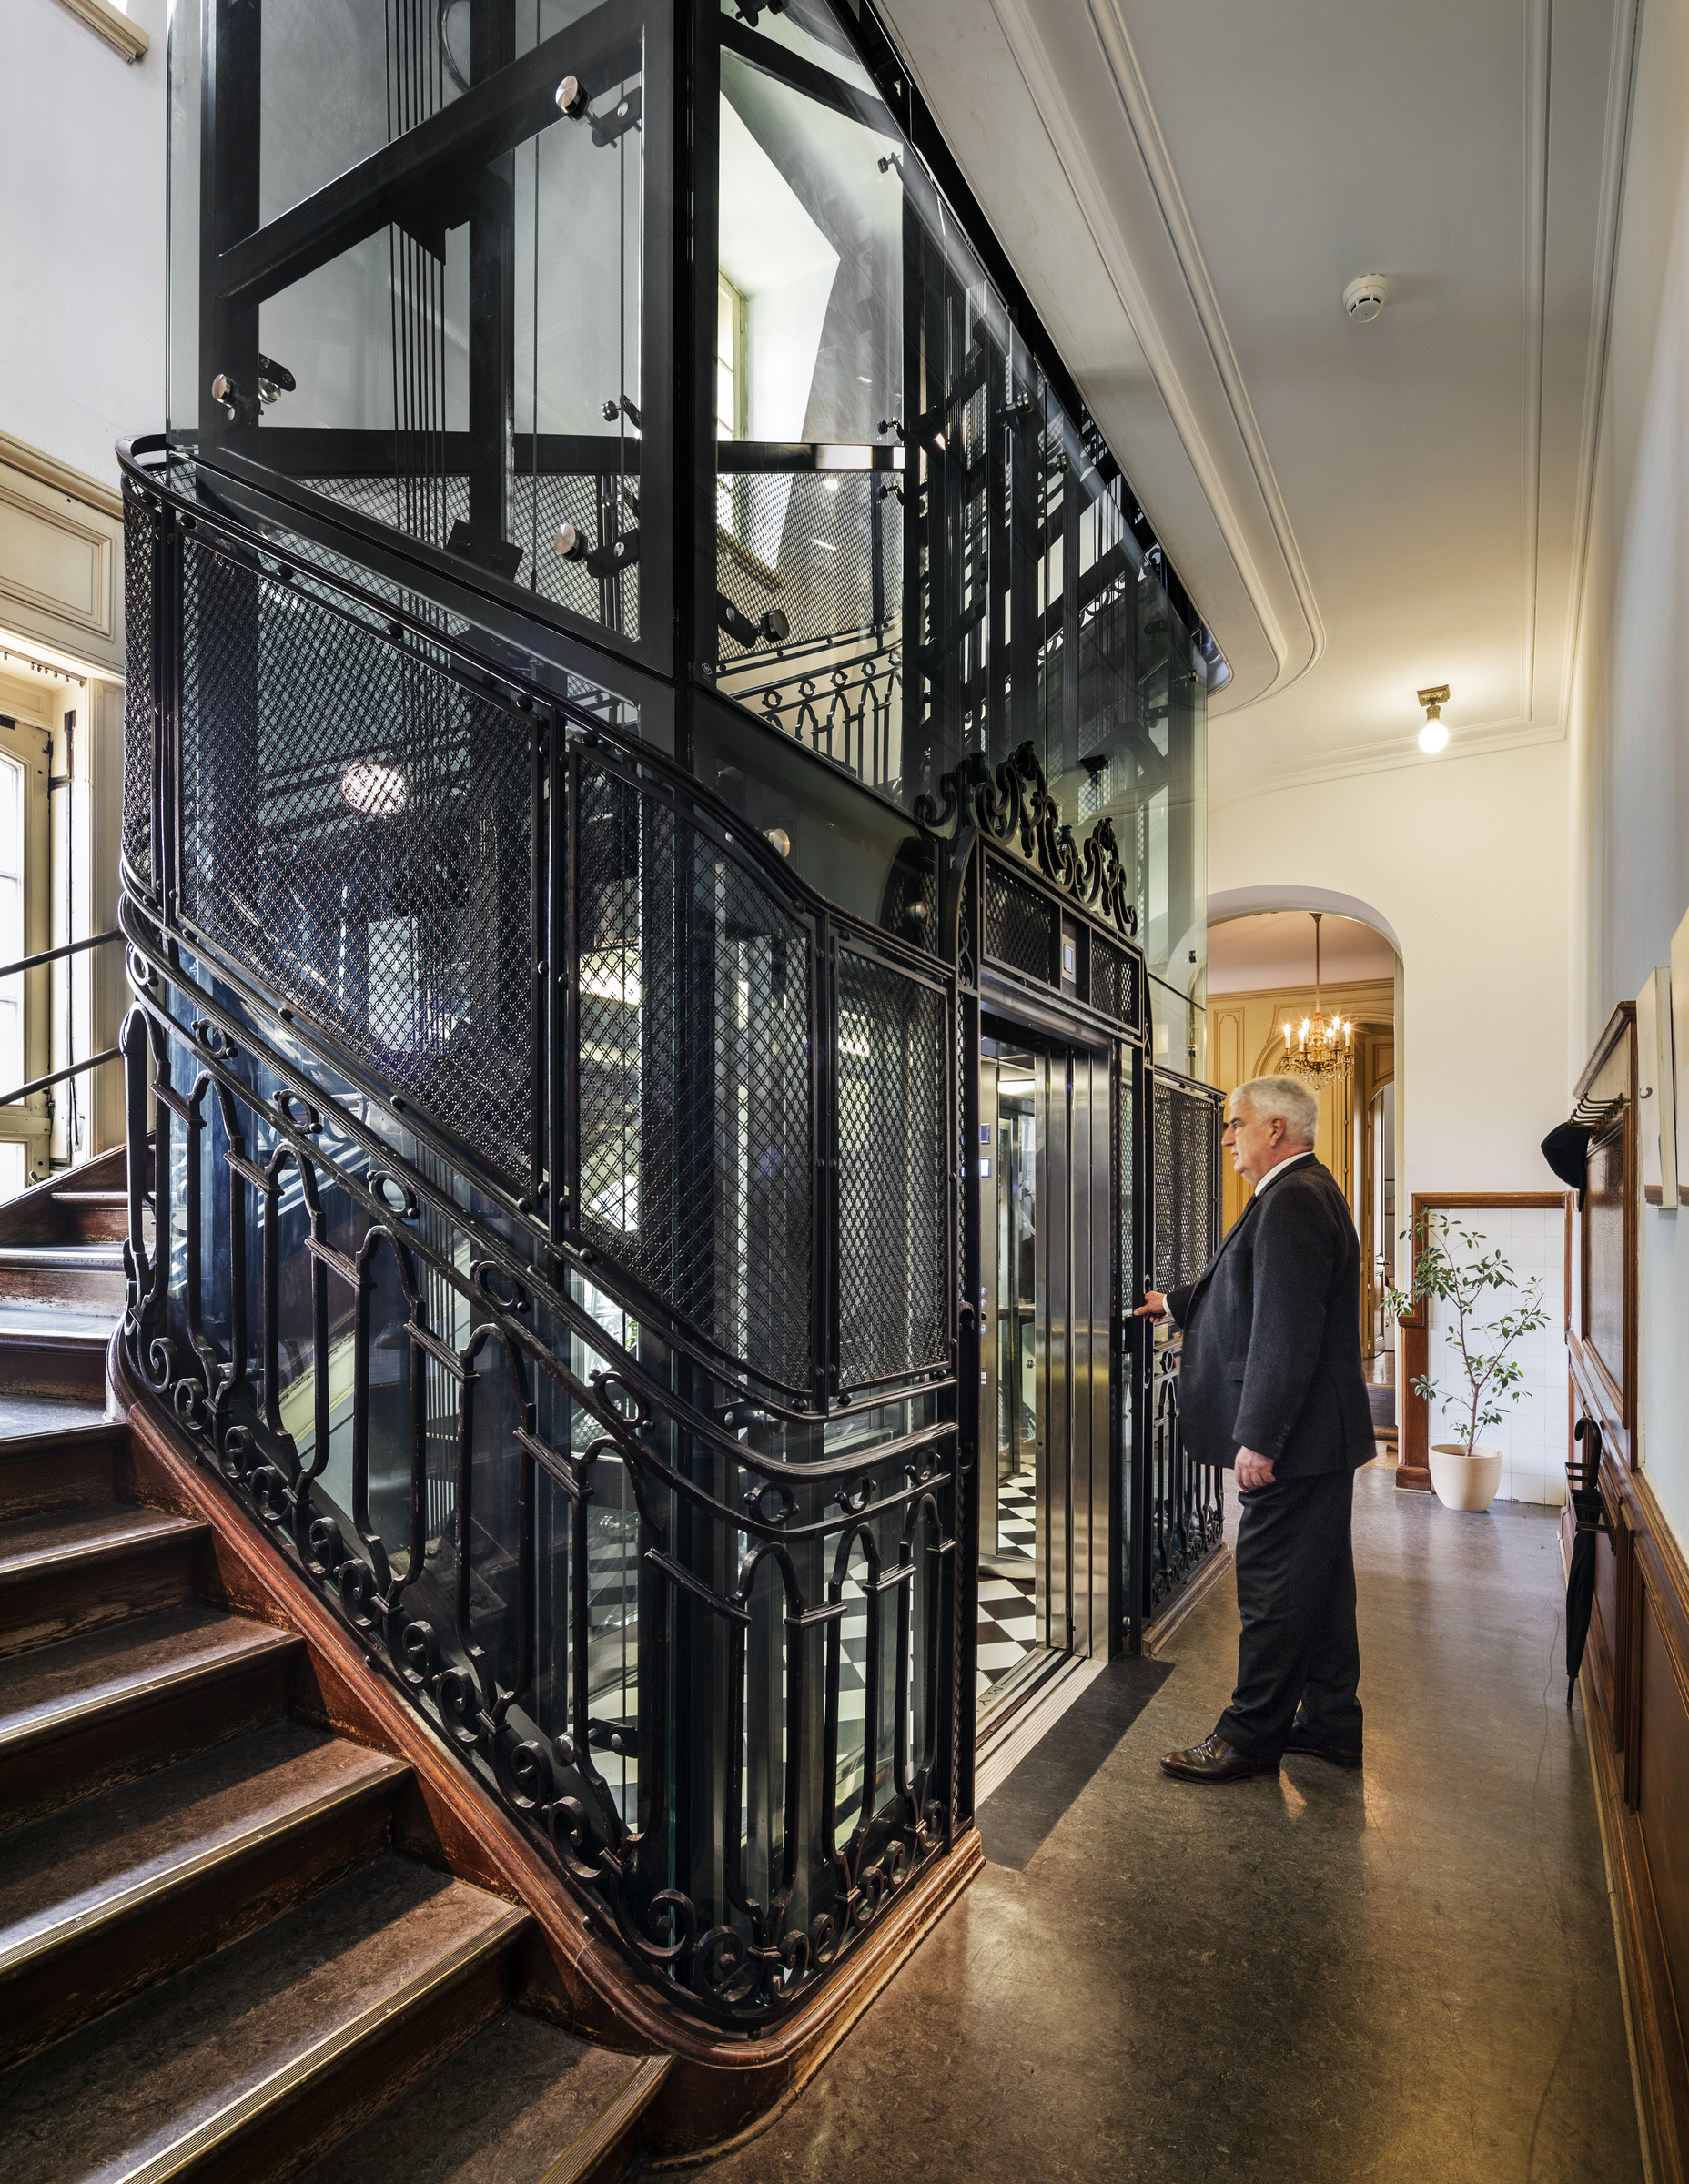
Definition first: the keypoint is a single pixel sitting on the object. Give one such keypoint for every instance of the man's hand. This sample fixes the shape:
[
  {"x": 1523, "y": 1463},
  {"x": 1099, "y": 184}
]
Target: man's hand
[
  {"x": 1253, "y": 1469},
  {"x": 1154, "y": 1306}
]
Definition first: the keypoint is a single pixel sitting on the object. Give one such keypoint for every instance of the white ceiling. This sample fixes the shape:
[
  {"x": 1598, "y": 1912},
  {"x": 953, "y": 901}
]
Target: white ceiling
[
  {"x": 1358, "y": 510},
  {"x": 1276, "y": 950}
]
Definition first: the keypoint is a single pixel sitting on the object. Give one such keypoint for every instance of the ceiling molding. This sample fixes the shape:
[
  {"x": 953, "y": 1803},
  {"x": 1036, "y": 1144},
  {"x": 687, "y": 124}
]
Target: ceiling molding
[
  {"x": 1615, "y": 144},
  {"x": 1287, "y": 611},
  {"x": 1389, "y": 758},
  {"x": 1539, "y": 54},
  {"x": 1126, "y": 70}
]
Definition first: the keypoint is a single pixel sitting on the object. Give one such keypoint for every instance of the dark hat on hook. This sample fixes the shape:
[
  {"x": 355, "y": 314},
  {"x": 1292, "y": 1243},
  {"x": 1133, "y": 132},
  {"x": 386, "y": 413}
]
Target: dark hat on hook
[{"x": 1566, "y": 1151}]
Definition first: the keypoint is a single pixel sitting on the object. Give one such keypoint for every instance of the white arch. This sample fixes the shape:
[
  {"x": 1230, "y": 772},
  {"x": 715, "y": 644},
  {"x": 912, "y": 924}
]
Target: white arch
[{"x": 1251, "y": 902}]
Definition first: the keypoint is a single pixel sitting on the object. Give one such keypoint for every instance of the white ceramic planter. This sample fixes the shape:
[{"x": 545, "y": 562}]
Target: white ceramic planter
[{"x": 1464, "y": 1481}]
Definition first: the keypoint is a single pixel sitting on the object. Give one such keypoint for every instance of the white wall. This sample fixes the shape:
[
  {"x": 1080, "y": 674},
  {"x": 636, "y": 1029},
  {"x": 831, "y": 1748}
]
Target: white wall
[
  {"x": 1463, "y": 859},
  {"x": 1630, "y": 738},
  {"x": 82, "y": 243}
]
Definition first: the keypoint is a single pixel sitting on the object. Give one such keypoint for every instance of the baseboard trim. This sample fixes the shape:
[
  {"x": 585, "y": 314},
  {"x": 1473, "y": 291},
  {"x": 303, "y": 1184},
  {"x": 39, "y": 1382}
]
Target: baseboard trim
[{"x": 1160, "y": 1632}]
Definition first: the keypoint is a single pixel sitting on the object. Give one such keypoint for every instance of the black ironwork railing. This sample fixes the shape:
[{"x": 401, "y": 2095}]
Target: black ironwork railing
[
  {"x": 556, "y": 1228},
  {"x": 1181, "y": 1511}
]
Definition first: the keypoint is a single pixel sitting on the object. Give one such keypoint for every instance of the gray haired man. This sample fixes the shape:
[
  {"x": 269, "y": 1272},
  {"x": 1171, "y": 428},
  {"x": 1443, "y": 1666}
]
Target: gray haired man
[{"x": 1271, "y": 1385}]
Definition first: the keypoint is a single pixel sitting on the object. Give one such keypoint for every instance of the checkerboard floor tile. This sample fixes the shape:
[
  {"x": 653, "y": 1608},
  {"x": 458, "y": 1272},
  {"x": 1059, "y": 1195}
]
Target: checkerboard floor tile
[
  {"x": 1017, "y": 1515},
  {"x": 1008, "y": 1626}
]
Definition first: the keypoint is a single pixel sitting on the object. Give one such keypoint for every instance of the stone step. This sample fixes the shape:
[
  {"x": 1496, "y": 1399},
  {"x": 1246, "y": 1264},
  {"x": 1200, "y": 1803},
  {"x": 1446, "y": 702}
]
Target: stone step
[
  {"x": 132, "y": 1885},
  {"x": 66, "y": 1571},
  {"x": 522, "y": 2103},
  {"x": 111, "y": 1705},
  {"x": 264, "y": 2055}
]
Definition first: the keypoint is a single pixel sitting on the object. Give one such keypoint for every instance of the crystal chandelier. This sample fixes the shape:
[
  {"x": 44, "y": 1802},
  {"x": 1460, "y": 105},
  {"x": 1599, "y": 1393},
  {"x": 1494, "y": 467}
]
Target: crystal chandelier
[{"x": 1319, "y": 1052}]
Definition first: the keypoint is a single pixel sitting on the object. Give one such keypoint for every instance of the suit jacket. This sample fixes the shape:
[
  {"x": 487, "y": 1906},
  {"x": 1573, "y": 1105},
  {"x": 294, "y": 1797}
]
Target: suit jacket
[{"x": 1272, "y": 1335}]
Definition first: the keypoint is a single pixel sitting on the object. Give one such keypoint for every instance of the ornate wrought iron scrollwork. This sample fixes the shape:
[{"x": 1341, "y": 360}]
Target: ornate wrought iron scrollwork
[{"x": 1014, "y": 808}]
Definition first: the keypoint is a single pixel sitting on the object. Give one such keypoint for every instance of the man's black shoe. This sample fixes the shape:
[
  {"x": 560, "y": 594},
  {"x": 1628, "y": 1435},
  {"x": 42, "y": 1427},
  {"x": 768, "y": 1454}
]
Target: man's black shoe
[
  {"x": 1214, "y": 1760},
  {"x": 1304, "y": 1740}
]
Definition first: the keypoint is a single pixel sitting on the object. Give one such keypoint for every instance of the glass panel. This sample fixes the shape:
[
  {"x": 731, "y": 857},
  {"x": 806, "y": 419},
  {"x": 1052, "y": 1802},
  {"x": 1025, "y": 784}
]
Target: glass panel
[
  {"x": 467, "y": 371},
  {"x": 920, "y": 553}
]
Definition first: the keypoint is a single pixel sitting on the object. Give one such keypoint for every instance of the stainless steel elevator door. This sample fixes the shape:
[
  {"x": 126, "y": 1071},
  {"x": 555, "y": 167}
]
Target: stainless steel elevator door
[{"x": 1044, "y": 1211}]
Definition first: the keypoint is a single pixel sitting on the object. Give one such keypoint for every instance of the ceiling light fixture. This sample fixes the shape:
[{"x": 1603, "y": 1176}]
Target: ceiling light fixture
[
  {"x": 1320, "y": 1052},
  {"x": 1433, "y": 735}
]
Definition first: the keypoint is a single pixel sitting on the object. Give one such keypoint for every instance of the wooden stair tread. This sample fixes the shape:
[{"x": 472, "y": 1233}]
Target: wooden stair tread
[
  {"x": 91, "y": 1197},
  {"x": 69, "y": 1257},
  {"x": 103, "y": 1672},
  {"x": 521, "y": 2102},
  {"x": 90, "y": 1533},
  {"x": 60, "y": 1467},
  {"x": 86, "y": 1868},
  {"x": 52, "y": 1326},
  {"x": 186, "y": 2066}
]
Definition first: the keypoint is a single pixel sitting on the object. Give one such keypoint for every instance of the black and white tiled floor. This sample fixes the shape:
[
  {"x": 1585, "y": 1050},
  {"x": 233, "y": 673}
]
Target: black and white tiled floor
[{"x": 1007, "y": 1609}]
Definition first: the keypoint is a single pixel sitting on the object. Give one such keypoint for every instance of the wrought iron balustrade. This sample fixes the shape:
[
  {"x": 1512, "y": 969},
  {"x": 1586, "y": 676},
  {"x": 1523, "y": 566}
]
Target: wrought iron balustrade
[
  {"x": 1182, "y": 1508},
  {"x": 555, "y": 1249}
]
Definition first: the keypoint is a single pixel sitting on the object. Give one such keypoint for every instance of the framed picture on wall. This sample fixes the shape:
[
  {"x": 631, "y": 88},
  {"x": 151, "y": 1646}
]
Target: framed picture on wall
[{"x": 1656, "y": 1077}]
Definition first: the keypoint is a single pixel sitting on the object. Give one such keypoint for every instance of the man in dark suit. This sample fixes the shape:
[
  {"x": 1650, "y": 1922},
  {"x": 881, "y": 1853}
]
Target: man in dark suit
[{"x": 1271, "y": 1384}]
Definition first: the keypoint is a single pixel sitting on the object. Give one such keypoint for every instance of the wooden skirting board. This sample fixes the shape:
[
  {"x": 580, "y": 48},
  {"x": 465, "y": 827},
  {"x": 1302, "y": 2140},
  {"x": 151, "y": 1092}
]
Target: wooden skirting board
[
  {"x": 1635, "y": 1694},
  {"x": 719, "y": 2090}
]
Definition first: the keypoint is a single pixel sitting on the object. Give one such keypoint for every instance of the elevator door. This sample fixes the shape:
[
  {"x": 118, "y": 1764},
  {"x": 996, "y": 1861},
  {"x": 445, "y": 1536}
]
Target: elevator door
[{"x": 1046, "y": 1227}]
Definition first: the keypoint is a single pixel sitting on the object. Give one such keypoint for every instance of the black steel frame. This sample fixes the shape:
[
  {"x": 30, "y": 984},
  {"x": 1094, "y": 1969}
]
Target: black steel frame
[{"x": 709, "y": 1453}]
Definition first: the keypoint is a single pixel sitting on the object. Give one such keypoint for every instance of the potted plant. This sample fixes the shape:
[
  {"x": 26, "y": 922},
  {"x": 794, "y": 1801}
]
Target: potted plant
[{"x": 1451, "y": 1265}]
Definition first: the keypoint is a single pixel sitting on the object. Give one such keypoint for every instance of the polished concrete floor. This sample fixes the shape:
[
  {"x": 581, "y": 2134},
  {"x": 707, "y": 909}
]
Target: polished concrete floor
[{"x": 1396, "y": 1974}]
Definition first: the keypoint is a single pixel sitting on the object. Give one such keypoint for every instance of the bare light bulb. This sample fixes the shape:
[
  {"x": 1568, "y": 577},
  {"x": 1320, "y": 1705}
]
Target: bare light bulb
[{"x": 1433, "y": 735}]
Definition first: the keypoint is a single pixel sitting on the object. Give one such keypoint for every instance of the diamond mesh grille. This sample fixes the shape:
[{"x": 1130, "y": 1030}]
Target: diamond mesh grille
[
  {"x": 356, "y": 828},
  {"x": 1021, "y": 927},
  {"x": 1185, "y": 1208},
  {"x": 893, "y": 1173},
  {"x": 1114, "y": 982},
  {"x": 693, "y": 1087},
  {"x": 813, "y": 533},
  {"x": 427, "y": 508},
  {"x": 139, "y": 548}
]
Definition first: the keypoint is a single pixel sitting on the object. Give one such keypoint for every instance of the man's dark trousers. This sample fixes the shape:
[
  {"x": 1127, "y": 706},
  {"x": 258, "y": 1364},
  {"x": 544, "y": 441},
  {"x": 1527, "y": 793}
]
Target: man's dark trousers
[{"x": 1296, "y": 1594}]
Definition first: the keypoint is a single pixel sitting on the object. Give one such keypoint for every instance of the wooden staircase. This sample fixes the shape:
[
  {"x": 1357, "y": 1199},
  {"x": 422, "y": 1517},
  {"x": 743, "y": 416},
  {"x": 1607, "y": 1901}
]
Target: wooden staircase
[
  {"x": 216, "y": 1958},
  {"x": 62, "y": 1283}
]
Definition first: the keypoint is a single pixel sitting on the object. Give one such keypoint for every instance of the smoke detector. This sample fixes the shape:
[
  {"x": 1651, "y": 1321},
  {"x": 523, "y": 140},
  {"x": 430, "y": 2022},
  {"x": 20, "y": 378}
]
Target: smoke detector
[{"x": 1364, "y": 298}]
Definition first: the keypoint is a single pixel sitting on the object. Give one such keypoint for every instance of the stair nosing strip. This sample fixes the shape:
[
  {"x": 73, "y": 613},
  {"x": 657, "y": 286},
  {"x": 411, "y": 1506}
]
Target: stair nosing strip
[
  {"x": 45, "y": 1729},
  {"x": 625, "y": 2106},
  {"x": 296, "y": 2075},
  {"x": 16, "y": 1569},
  {"x": 112, "y": 1909}
]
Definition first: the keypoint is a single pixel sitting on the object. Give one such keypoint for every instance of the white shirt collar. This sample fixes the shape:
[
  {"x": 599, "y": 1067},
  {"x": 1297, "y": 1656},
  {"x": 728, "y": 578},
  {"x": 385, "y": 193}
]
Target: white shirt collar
[{"x": 1273, "y": 1174}]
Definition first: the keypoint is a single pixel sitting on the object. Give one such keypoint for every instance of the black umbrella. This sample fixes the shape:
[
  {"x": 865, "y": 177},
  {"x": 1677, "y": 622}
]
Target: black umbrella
[{"x": 1586, "y": 1505}]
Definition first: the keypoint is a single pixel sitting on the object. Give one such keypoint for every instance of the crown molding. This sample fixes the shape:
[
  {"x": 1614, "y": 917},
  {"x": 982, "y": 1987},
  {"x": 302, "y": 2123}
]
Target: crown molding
[
  {"x": 1126, "y": 72},
  {"x": 1189, "y": 357},
  {"x": 1388, "y": 758},
  {"x": 47, "y": 470}
]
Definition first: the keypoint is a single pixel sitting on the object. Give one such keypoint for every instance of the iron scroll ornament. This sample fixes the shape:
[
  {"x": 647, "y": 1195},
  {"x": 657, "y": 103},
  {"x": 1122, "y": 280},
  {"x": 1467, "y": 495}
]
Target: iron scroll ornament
[
  {"x": 1015, "y": 806},
  {"x": 415, "y": 1624}
]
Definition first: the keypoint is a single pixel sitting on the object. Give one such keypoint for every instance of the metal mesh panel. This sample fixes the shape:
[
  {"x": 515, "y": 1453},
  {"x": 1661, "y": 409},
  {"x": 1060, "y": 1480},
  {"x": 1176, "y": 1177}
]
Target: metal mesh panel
[
  {"x": 357, "y": 831},
  {"x": 893, "y": 1173},
  {"x": 1114, "y": 981},
  {"x": 1185, "y": 1209},
  {"x": 804, "y": 542},
  {"x": 427, "y": 508},
  {"x": 693, "y": 1087},
  {"x": 137, "y": 695},
  {"x": 1020, "y": 925}
]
